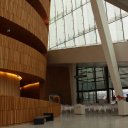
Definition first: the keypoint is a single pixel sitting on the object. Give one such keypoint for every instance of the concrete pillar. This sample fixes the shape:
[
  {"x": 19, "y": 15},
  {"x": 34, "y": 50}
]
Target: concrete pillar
[{"x": 102, "y": 24}]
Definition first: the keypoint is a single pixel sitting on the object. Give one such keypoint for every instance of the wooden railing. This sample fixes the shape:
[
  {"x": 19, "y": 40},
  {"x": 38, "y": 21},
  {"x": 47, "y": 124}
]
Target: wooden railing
[{"x": 15, "y": 110}]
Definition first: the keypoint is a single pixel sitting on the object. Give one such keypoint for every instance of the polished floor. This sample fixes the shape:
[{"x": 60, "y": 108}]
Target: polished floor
[{"x": 82, "y": 121}]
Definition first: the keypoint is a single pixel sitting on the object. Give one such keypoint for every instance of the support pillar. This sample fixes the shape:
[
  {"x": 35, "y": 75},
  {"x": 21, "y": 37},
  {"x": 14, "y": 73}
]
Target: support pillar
[{"x": 102, "y": 24}]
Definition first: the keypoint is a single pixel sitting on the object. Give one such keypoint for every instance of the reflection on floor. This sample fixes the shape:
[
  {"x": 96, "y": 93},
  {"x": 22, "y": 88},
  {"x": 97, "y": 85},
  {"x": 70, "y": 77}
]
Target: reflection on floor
[{"x": 95, "y": 120}]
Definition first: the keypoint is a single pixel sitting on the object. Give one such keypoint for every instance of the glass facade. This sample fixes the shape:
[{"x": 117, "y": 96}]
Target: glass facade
[
  {"x": 93, "y": 83},
  {"x": 72, "y": 24}
]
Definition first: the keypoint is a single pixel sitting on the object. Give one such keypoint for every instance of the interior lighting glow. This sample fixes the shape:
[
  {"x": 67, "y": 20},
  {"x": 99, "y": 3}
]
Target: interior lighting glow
[
  {"x": 31, "y": 85},
  {"x": 11, "y": 75}
]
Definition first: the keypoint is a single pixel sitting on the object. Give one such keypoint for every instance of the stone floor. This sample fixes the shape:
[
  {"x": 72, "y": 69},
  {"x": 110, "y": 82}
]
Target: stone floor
[{"x": 82, "y": 121}]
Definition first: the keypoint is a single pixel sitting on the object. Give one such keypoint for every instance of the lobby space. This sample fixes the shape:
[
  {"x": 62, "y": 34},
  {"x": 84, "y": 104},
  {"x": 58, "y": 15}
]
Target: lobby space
[
  {"x": 92, "y": 120},
  {"x": 64, "y": 58}
]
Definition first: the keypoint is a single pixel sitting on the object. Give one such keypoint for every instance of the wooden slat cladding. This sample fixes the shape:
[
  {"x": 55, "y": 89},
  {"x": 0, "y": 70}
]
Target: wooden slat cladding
[
  {"x": 9, "y": 86},
  {"x": 16, "y": 56},
  {"x": 46, "y": 5},
  {"x": 42, "y": 7},
  {"x": 23, "y": 14},
  {"x": 17, "y": 32},
  {"x": 15, "y": 110}
]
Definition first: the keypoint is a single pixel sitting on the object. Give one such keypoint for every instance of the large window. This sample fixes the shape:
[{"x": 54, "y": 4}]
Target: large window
[
  {"x": 94, "y": 84},
  {"x": 72, "y": 24}
]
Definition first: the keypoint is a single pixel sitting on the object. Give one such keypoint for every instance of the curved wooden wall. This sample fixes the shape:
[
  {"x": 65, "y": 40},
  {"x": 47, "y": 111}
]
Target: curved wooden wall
[
  {"x": 42, "y": 7},
  {"x": 16, "y": 56},
  {"x": 15, "y": 110},
  {"x": 23, "y": 14},
  {"x": 46, "y": 5},
  {"x": 23, "y": 50},
  {"x": 9, "y": 86},
  {"x": 23, "y": 45},
  {"x": 17, "y": 32}
]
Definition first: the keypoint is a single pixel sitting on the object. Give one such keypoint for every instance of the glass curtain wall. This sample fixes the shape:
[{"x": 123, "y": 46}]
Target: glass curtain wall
[
  {"x": 72, "y": 24},
  {"x": 94, "y": 84},
  {"x": 90, "y": 84}
]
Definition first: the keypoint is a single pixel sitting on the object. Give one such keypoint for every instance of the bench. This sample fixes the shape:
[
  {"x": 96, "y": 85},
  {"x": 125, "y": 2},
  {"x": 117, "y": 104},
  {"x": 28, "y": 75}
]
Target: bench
[
  {"x": 49, "y": 116},
  {"x": 41, "y": 119}
]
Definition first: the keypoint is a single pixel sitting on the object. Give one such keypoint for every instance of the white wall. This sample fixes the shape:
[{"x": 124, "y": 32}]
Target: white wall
[{"x": 87, "y": 54}]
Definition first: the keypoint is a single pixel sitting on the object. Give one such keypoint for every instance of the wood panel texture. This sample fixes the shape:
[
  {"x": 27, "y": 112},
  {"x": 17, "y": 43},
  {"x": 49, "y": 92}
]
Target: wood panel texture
[
  {"x": 23, "y": 49},
  {"x": 57, "y": 82},
  {"x": 9, "y": 86},
  {"x": 16, "y": 56},
  {"x": 17, "y": 32},
  {"x": 42, "y": 7},
  {"x": 15, "y": 110},
  {"x": 46, "y": 5},
  {"x": 23, "y": 14}
]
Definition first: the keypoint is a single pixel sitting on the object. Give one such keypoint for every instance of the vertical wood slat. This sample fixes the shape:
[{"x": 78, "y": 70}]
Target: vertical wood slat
[
  {"x": 46, "y": 5},
  {"x": 16, "y": 110},
  {"x": 20, "y": 57},
  {"x": 23, "y": 14},
  {"x": 9, "y": 86}
]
